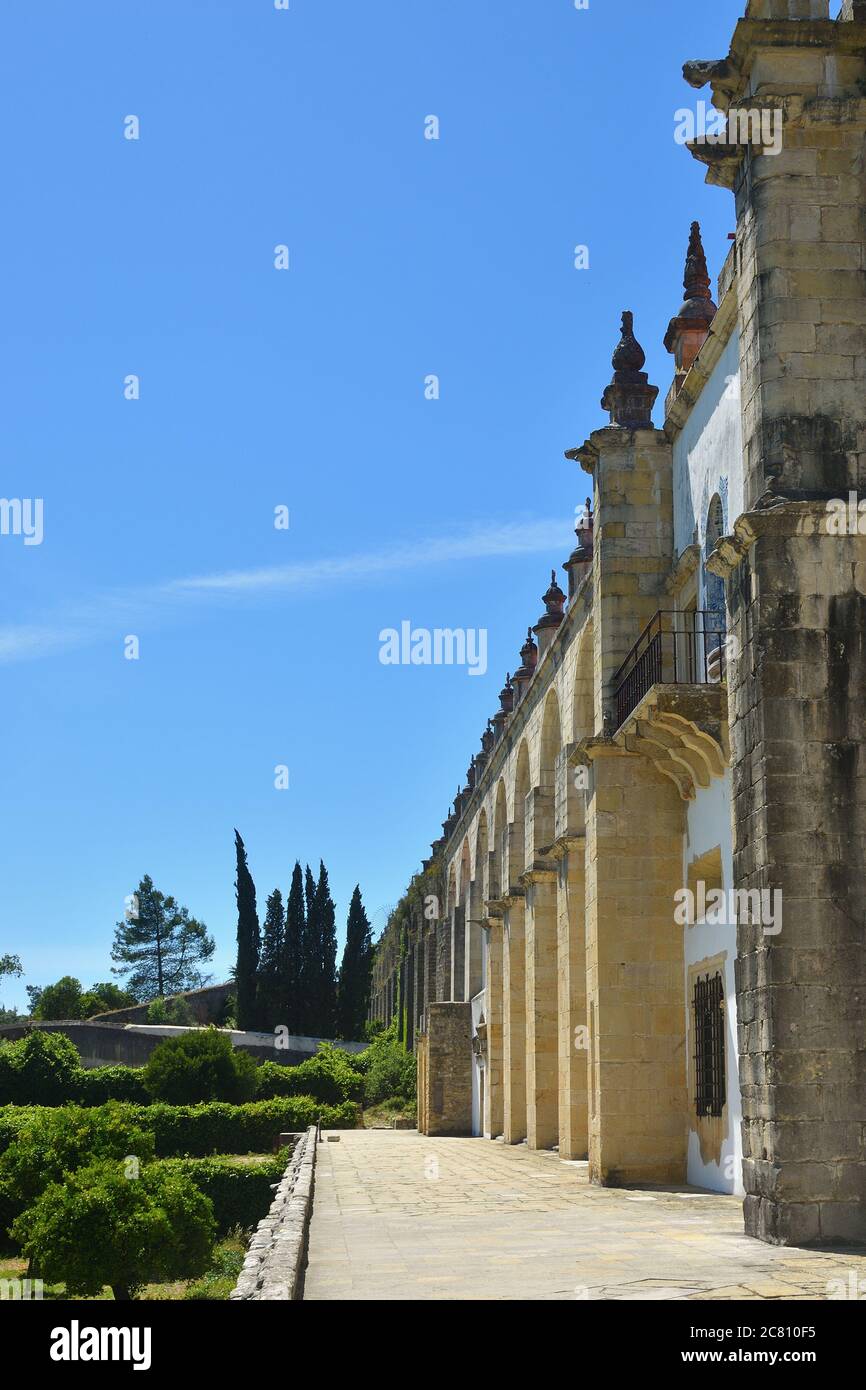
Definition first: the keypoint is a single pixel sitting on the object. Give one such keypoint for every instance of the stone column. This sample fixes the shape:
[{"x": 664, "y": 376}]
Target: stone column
[
  {"x": 635, "y": 971},
  {"x": 798, "y": 604},
  {"x": 572, "y": 1009},
  {"x": 513, "y": 1024},
  {"x": 796, "y": 597},
  {"x": 542, "y": 1118},
  {"x": 493, "y": 1091}
]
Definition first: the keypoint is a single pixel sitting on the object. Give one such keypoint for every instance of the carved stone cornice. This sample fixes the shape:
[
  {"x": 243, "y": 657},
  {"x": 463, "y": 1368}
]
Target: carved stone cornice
[
  {"x": 563, "y": 845},
  {"x": 684, "y": 568},
  {"x": 538, "y": 873},
  {"x": 783, "y": 519}
]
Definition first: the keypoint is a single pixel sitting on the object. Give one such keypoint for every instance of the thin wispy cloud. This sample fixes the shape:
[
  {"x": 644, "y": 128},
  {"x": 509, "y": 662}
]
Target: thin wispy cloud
[{"x": 90, "y": 620}]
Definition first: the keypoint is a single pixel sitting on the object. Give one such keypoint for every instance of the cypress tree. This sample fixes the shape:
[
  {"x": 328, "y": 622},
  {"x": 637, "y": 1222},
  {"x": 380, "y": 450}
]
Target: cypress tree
[
  {"x": 311, "y": 973},
  {"x": 353, "y": 990},
  {"x": 327, "y": 915},
  {"x": 293, "y": 946},
  {"x": 249, "y": 942},
  {"x": 270, "y": 1007}
]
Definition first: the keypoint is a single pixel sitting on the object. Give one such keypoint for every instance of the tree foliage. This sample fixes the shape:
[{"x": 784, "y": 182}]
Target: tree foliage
[
  {"x": 353, "y": 990},
  {"x": 100, "y": 1226},
  {"x": 249, "y": 938},
  {"x": 159, "y": 946}
]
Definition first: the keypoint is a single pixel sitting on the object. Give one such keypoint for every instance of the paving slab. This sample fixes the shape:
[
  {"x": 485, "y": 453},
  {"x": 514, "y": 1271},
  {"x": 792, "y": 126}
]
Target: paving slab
[{"x": 399, "y": 1216}]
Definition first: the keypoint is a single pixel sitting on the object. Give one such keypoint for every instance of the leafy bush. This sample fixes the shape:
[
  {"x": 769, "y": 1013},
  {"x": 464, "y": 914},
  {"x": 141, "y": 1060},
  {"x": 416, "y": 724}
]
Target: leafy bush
[
  {"x": 390, "y": 1071},
  {"x": 175, "y": 1011},
  {"x": 241, "y": 1193},
  {"x": 329, "y": 1076},
  {"x": 38, "y": 1069},
  {"x": 237, "y": 1129},
  {"x": 200, "y": 1066},
  {"x": 100, "y": 1227},
  {"x": 52, "y": 1143},
  {"x": 102, "y": 1084}
]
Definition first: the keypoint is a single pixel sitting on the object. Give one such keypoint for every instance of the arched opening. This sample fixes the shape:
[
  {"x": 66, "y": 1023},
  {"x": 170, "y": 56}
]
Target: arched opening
[
  {"x": 551, "y": 743},
  {"x": 582, "y": 715},
  {"x": 517, "y": 838},
  {"x": 459, "y": 927},
  {"x": 500, "y": 847}
]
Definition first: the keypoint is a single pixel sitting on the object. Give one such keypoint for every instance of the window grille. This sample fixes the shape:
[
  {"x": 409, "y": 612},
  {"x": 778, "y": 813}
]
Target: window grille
[{"x": 709, "y": 1006}]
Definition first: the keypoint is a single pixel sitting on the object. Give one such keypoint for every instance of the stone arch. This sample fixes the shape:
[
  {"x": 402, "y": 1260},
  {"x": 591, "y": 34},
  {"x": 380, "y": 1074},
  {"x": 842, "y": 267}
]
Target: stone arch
[
  {"x": 500, "y": 846},
  {"x": 548, "y": 752},
  {"x": 522, "y": 787},
  {"x": 481, "y": 852}
]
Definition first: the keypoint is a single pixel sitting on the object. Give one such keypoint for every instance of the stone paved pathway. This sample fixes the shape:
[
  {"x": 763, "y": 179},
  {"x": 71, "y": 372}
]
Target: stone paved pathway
[{"x": 401, "y": 1216}]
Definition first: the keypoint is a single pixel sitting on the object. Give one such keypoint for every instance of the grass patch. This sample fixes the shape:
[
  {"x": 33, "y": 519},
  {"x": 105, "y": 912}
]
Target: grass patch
[{"x": 215, "y": 1285}]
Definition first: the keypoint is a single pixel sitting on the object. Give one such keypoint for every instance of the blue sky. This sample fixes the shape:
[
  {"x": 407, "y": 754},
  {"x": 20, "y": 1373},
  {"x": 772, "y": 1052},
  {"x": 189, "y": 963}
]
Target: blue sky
[{"x": 302, "y": 388}]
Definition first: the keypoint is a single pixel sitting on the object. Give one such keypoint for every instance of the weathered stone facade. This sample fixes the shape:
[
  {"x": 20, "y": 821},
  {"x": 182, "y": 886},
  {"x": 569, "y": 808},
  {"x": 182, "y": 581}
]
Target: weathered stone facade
[{"x": 692, "y": 722}]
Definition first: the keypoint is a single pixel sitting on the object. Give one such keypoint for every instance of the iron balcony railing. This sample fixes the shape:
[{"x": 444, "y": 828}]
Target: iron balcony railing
[{"x": 674, "y": 648}]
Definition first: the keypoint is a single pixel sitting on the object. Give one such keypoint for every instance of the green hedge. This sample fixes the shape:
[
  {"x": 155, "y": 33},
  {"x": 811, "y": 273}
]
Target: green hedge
[
  {"x": 198, "y": 1130},
  {"x": 241, "y": 1193},
  {"x": 103, "y": 1084},
  {"x": 44, "y": 1068},
  {"x": 329, "y": 1077}
]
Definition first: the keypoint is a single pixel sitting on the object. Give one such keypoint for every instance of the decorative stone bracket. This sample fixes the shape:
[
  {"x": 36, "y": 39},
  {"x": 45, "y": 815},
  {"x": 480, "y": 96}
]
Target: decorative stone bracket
[{"x": 684, "y": 733}]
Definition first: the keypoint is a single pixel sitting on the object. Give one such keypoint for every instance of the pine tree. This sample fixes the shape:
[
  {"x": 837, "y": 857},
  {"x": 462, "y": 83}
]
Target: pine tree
[
  {"x": 159, "y": 947},
  {"x": 293, "y": 947},
  {"x": 353, "y": 991},
  {"x": 327, "y": 916},
  {"x": 311, "y": 969},
  {"x": 249, "y": 941},
  {"x": 270, "y": 1004}
]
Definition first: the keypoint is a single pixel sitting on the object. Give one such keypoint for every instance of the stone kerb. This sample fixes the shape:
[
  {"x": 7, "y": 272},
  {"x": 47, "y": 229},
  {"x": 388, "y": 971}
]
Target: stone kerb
[{"x": 274, "y": 1264}]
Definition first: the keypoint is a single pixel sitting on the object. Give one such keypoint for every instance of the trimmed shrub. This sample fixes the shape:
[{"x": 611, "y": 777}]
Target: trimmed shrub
[
  {"x": 240, "y": 1193},
  {"x": 102, "y": 1084},
  {"x": 39, "y": 1069},
  {"x": 99, "y": 1227},
  {"x": 199, "y": 1066},
  {"x": 329, "y": 1076},
  {"x": 196, "y": 1131}
]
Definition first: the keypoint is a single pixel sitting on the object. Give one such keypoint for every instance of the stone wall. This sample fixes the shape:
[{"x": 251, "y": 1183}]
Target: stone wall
[
  {"x": 445, "y": 1070},
  {"x": 273, "y": 1270},
  {"x": 206, "y": 1005}
]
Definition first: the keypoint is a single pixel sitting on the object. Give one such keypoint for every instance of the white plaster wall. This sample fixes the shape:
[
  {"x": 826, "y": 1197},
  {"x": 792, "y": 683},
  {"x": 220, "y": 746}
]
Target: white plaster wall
[
  {"x": 708, "y": 824},
  {"x": 708, "y": 453},
  {"x": 478, "y": 1006}
]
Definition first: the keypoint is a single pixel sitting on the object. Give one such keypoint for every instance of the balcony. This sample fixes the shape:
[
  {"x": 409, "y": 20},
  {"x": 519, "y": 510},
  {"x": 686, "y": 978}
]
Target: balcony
[{"x": 673, "y": 649}]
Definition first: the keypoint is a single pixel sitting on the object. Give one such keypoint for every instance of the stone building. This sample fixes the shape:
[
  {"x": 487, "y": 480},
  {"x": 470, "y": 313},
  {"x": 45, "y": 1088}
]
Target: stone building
[{"x": 641, "y": 937}]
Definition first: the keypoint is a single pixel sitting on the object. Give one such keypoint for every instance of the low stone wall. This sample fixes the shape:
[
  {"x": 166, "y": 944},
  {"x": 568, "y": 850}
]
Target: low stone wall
[
  {"x": 274, "y": 1266},
  {"x": 206, "y": 1005}
]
